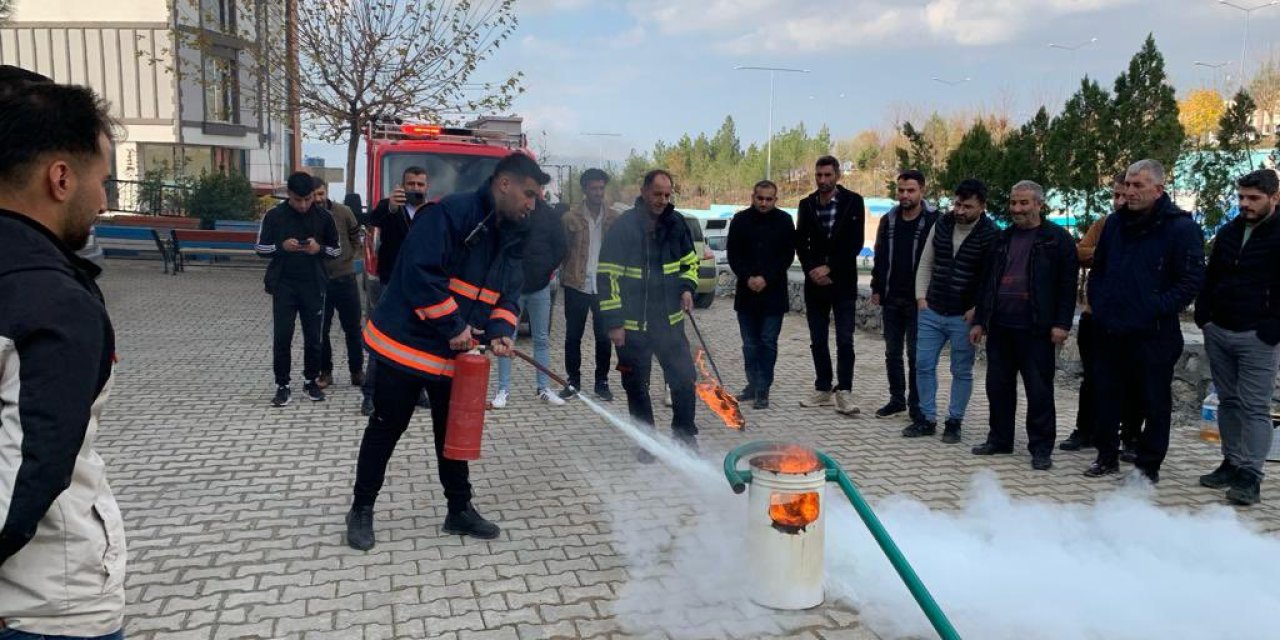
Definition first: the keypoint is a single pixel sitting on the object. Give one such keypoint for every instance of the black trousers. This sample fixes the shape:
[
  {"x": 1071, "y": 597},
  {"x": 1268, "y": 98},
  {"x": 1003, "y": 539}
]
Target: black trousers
[
  {"x": 1087, "y": 409},
  {"x": 1138, "y": 366},
  {"x": 1030, "y": 354},
  {"x": 394, "y": 400},
  {"x": 900, "y": 330},
  {"x": 820, "y": 303},
  {"x": 343, "y": 296},
  {"x": 635, "y": 362},
  {"x": 305, "y": 302},
  {"x": 576, "y": 307},
  {"x": 760, "y": 332}
]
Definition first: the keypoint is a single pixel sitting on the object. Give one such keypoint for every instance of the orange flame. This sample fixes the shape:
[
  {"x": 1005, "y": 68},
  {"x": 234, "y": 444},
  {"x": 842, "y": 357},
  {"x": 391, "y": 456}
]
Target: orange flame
[
  {"x": 716, "y": 398},
  {"x": 791, "y": 459},
  {"x": 792, "y": 512}
]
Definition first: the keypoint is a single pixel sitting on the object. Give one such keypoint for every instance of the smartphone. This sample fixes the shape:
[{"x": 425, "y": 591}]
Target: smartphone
[{"x": 415, "y": 198}]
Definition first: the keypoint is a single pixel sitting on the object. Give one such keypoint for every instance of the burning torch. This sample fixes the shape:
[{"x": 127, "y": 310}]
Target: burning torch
[{"x": 711, "y": 389}]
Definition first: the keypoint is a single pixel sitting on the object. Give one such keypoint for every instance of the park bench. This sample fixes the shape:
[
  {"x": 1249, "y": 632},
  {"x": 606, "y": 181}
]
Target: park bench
[
  {"x": 135, "y": 242},
  {"x": 212, "y": 244},
  {"x": 155, "y": 222}
]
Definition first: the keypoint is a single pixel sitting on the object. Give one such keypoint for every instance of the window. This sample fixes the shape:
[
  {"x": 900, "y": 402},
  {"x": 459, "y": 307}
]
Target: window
[
  {"x": 222, "y": 90},
  {"x": 218, "y": 15},
  {"x": 446, "y": 173}
]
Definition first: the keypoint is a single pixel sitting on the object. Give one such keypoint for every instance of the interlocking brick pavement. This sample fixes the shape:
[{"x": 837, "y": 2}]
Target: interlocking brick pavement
[{"x": 234, "y": 509}]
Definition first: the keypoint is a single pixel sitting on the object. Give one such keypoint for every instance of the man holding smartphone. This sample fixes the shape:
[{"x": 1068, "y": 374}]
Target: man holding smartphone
[
  {"x": 298, "y": 237},
  {"x": 392, "y": 217}
]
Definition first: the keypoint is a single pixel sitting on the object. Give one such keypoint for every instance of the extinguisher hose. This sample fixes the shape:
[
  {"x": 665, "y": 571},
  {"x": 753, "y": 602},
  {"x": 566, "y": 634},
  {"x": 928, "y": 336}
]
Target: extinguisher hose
[
  {"x": 536, "y": 365},
  {"x": 738, "y": 479}
]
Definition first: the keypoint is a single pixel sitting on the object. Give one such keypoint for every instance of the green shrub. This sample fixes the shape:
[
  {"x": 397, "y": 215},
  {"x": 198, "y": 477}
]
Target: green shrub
[{"x": 217, "y": 196}]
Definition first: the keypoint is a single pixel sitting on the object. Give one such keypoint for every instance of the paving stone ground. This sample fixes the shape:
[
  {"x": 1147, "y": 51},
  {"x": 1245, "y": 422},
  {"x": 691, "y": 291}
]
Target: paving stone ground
[{"x": 234, "y": 509}]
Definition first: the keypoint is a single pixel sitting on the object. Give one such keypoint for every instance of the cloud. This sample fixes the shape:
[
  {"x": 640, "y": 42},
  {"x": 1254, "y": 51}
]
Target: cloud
[
  {"x": 549, "y": 6},
  {"x": 746, "y": 26},
  {"x": 535, "y": 48}
]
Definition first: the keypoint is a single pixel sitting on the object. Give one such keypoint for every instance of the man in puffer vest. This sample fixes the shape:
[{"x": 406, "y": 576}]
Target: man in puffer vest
[
  {"x": 457, "y": 281},
  {"x": 648, "y": 272},
  {"x": 952, "y": 267}
]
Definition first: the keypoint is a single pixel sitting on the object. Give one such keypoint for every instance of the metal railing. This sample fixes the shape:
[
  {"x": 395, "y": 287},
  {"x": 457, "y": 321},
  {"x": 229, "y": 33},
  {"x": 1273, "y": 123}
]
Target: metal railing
[{"x": 146, "y": 197}]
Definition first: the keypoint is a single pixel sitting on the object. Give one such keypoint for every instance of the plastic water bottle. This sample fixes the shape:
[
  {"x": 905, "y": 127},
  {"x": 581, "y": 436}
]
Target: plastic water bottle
[{"x": 1209, "y": 417}]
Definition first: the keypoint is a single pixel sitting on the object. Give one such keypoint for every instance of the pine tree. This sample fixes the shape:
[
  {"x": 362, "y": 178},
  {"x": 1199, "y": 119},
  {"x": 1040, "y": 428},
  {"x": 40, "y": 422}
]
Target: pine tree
[
  {"x": 977, "y": 156},
  {"x": 1146, "y": 112},
  {"x": 1082, "y": 149},
  {"x": 1024, "y": 156},
  {"x": 918, "y": 156}
]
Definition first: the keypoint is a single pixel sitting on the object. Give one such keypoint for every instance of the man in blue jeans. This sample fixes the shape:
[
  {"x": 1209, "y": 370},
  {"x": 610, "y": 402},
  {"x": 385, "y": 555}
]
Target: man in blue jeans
[
  {"x": 951, "y": 269},
  {"x": 544, "y": 249}
]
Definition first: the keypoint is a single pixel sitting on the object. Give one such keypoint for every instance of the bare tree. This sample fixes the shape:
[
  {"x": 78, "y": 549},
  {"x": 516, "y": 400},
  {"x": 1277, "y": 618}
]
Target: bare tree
[
  {"x": 6, "y": 11},
  {"x": 361, "y": 59}
]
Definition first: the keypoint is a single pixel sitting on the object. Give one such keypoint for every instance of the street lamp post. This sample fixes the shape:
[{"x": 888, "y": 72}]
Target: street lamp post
[
  {"x": 1217, "y": 68},
  {"x": 768, "y": 162},
  {"x": 950, "y": 83},
  {"x": 1248, "y": 13},
  {"x": 1073, "y": 47},
  {"x": 602, "y": 134}
]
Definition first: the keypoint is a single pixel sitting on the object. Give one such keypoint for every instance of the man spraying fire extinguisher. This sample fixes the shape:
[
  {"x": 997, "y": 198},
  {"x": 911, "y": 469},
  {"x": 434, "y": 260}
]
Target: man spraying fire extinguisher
[{"x": 457, "y": 282}]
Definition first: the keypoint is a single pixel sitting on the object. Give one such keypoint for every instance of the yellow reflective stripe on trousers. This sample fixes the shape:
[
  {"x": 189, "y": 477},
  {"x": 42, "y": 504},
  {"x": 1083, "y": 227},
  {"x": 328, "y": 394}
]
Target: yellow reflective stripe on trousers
[
  {"x": 676, "y": 317},
  {"x": 632, "y": 325}
]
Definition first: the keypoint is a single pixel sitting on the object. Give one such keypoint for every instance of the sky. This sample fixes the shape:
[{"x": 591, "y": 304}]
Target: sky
[{"x": 651, "y": 70}]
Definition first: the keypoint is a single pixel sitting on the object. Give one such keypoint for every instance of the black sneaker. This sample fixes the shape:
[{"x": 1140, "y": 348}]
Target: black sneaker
[
  {"x": 1099, "y": 469},
  {"x": 470, "y": 523},
  {"x": 282, "y": 396},
  {"x": 1222, "y": 477},
  {"x": 312, "y": 389},
  {"x": 569, "y": 392},
  {"x": 892, "y": 409},
  {"x": 1246, "y": 490},
  {"x": 602, "y": 391},
  {"x": 920, "y": 429},
  {"x": 366, "y": 406},
  {"x": 989, "y": 449},
  {"x": 1041, "y": 463},
  {"x": 748, "y": 393},
  {"x": 360, "y": 528},
  {"x": 1075, "y": 442},
  {"x": 951, "y": 431},
  {"x": 762, "y": 400}
]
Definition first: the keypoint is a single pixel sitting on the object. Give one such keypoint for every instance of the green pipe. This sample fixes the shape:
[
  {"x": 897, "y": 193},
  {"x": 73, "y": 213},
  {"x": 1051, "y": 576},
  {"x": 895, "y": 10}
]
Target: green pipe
[{"x": 738, "y": 480}]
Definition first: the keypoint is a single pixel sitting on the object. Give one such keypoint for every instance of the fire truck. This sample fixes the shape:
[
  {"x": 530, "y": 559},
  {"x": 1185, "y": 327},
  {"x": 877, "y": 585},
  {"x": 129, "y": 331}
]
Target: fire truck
[{"x": 457, "y": 159}]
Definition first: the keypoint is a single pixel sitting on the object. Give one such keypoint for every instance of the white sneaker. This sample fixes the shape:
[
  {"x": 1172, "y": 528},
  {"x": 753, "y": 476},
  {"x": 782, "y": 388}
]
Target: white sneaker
[
  {"x": 500, "y": 399},
  {"x": 553, "y": 399},
  {"x": 818, "y": 399},
  {"x": 845, "y": 405}
]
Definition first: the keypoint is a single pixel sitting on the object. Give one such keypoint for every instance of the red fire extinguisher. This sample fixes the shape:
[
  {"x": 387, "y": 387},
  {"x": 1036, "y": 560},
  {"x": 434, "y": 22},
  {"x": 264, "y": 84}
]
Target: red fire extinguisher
[{"x": 465, "y": 427}]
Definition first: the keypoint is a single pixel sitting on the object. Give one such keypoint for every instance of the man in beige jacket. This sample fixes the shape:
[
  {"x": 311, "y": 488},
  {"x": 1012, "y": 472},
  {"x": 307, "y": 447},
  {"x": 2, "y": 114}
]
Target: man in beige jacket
[
  {"x": 62, "y": 546},
  {"x": 585, "y": 228}
]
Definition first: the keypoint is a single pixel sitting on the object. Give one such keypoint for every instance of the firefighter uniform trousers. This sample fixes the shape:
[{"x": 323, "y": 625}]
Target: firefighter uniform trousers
[
  {"x": 394, "y": 400},
  {"x": 635, "y": 363}
]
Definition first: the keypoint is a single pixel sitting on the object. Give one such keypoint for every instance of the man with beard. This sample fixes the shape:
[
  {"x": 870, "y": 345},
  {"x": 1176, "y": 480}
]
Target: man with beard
[
  {"x": 1239, "y": 311},
  {"x": 585, "y": 228},
  {"x": 62, "y": 541},
  {"x": 1025, "y": 309},
  {"x": 456, "y": 283},
  {"x": 343, "y": 294},
  {"x": 900, "y": 240},
  {"x": 298, "y": 237},
  {"x": 761, "y": 248},
  {"x": 1148, "y": 267},
  {"x": 952, "y": 268},
  {"x": 829, "y": 236}
]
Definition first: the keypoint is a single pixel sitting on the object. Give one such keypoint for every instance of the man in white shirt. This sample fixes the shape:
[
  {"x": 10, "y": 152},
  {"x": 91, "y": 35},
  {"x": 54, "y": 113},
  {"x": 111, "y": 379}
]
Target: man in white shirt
[{"x": 585, "y": 228}]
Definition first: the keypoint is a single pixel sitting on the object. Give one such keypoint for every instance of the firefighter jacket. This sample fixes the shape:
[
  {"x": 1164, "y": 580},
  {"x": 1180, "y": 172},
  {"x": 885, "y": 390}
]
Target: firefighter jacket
[
  {"x": 459, "y": 266},
  {"x": 644, "y": 271}
]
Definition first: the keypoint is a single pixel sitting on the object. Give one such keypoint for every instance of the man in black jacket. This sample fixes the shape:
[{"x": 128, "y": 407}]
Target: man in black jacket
[
  {"x": 1148, "y": 266},
  {"x": 900, "y": 240},
  {"x": 829, "y": 236},
  {"x": 1025, "y": 308},
  {"x": 544, "y": 249},
  {"x": 298, "y": 237},
  {"x": 761, "y": 248},
  {"x": 392, "y": 217},
  {"x": 1239, "y": 311},
  {"x": 62, "y": 539}
]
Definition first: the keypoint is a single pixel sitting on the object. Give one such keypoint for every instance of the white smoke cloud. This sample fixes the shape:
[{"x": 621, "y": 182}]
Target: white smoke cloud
[{"x": 1002, "y": 568}]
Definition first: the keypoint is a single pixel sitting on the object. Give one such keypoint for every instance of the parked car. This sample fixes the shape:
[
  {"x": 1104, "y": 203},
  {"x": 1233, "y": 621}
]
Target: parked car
[{"x": 705, "y": 294}]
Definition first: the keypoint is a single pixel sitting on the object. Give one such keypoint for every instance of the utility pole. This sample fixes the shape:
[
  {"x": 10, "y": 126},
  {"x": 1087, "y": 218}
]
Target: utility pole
[{"x": 291, "y": 70}]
